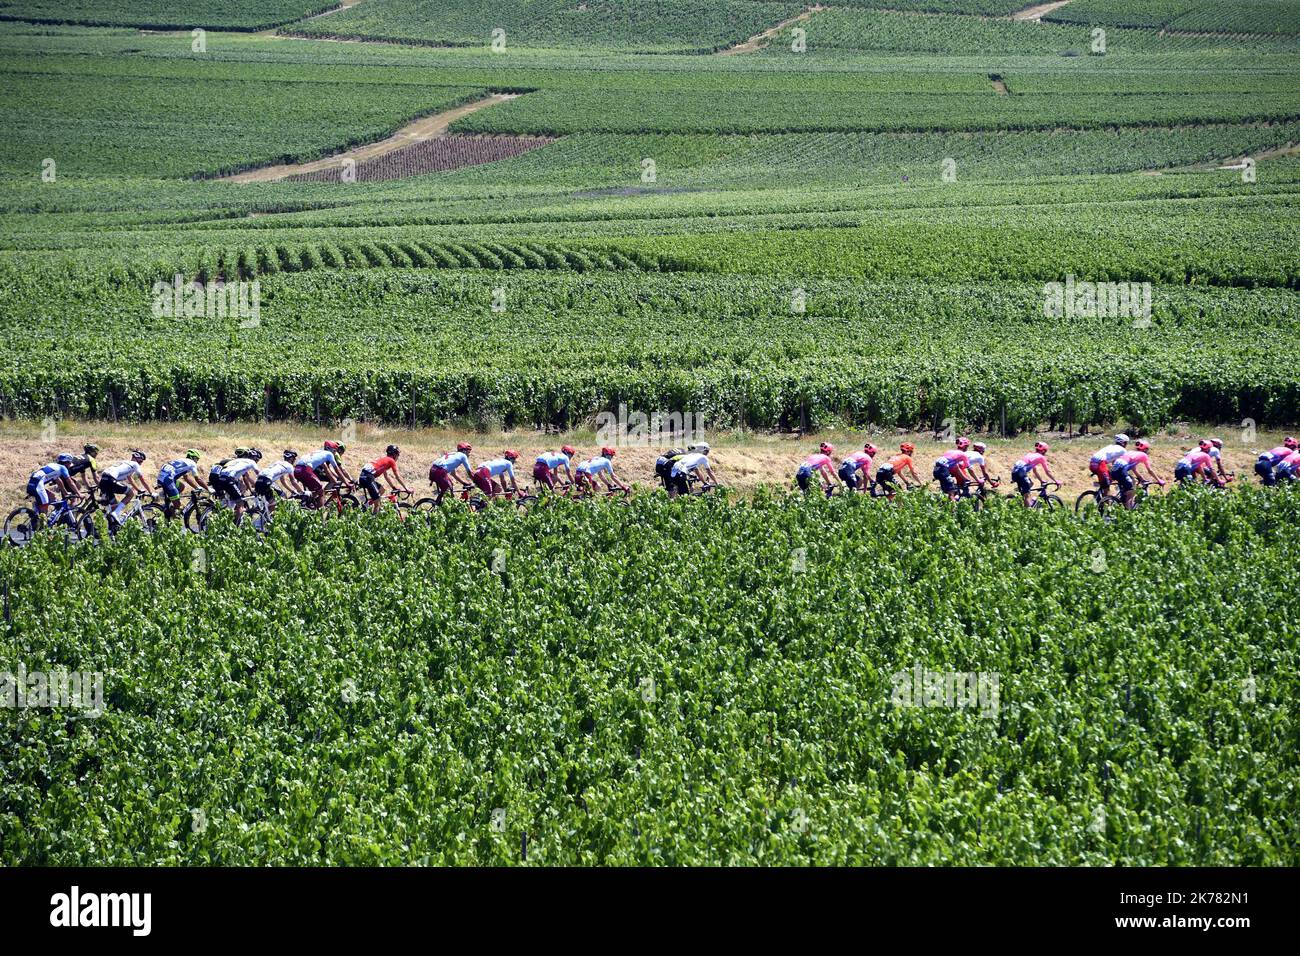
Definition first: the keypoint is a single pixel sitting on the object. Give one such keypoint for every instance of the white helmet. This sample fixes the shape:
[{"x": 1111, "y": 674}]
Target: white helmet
[
  {"x": 700, "y": 446},
  {"x": 1121, "y": 439}
]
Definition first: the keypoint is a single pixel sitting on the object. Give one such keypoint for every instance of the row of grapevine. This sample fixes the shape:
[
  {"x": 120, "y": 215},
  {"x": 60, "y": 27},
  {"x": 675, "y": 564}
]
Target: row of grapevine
[{"x": 229, "y": 265}]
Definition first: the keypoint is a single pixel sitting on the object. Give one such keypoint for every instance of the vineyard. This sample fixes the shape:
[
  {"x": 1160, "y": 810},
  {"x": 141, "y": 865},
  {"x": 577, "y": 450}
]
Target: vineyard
[
  {"x": 850, "y": 226},
  {"x": 624, "y": 714}
]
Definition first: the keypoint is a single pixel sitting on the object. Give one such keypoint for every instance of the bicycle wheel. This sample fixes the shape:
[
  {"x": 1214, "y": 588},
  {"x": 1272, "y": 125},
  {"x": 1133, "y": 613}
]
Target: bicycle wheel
[
  {"x": 425, "y": 504},
  {"x": 21, "y": 525},
  {"x": 190, "y": 517},
  {"x": 90, "y": 529},
  {"x": 350, "y": 501},
  {"x": 1088, "y": 505},
  {"x": 152, "y": 517},
  {"x": 1053, "y": 502},
  {"x": 204, "y": 513}
]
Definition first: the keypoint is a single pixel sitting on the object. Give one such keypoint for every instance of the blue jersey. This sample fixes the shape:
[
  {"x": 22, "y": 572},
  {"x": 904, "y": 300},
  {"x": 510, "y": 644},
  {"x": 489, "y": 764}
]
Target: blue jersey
[
  {"x": 449, "y": 463},
  {"x": 318, "y": 458},
  {"x": 596, "y": 465},
  {"x": 49, "y": 472},
  {"x": 499, "y": 466},
  {"x": 553, "y": 459},
  {"x": 175, "y": 469}
]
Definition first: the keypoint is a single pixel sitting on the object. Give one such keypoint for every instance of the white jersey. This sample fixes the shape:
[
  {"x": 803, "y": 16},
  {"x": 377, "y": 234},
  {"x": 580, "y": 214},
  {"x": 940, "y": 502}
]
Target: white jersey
[
  {"x": 277, "y": 471},
  {"x": 689, "y": 463},
  {"x": 237, "y": 466},
  {"x": 974, "y": 458},
  {"x": 1109, "y": 453},
  {"x": 122, "y": 471}
]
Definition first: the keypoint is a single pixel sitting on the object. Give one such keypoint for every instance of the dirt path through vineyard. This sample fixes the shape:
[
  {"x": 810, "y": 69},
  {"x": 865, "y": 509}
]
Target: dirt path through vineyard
[
  {"x": 741, "y": 460},
  {"x": 761, "y": 40},
  {"x": 426, "y": 127}
]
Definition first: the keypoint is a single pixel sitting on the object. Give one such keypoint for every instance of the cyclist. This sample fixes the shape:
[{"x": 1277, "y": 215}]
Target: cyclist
[
  {"x": 175, "y": 474},
  {"x": 549, "y": 462},
  {"x": 858, "y": 461},
  {"x": 664, "y": 465},
  {"x": 85, "y": 462},
  {"x": 1268, "y": 461},
  {"x": 281, "y": 474},
  {"x": 444, "y": 469},
  {"x": 380, "y": 467},
  {"x": 1289, "y": 467},
  {"x": 951, "y": 469},
  {"x": 123, "y": 480},
  {"x": 239, "y": 478},
  {"x": 332, "y": 469},
  {"x": 56, "y": 473},
  {"x": 600, "y": 466},
  {"x": 1197, "y": 462},
  {"x": 893, "y": 469},
  {"x": 1032, "y": 467},
  {"x": 1123, "y": 466},
  {"x": 818, "y": 464},
  {"x": 485, "y": 475},
  {"x": 695, "y": 459},
  {"x": 1215, "y": 451},
  {"x": 1099, "y": 463},
  {"x": 320, "y": 466}
]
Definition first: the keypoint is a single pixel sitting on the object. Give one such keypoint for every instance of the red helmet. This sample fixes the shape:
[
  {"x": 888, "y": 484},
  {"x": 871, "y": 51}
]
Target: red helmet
[
  {"x": 1142, "y": 446},
  {"x": 464, "y": 446},
  {"x": 511, "y": 454},
  {"x": 1289, "y": 441},
  {"x": 1042, "y": 447},
  {"x": 1216, "y": 442},
  {"x": 963, "y": 442},
  {"x": 1204, "y": 444},
  {"x": 907, "y": 448},
  {"x": 870, "y": 449},
  {"x": 607, "y": 452},
  {"x": 331, "y": 446},
  {"x": 827, "y": 448},
  {"x": 569, "y": 450}
]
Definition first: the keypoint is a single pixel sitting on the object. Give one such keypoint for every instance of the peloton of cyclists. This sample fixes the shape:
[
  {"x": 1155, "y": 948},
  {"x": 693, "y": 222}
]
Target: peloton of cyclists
[
  {"x": 1266, "y": 466},
  {"x": 602, "y": 467},
  {"x": 1198, "y": 463},
  {"x": 1124, "y": 467},
  {"x": 952, "y": 469}
]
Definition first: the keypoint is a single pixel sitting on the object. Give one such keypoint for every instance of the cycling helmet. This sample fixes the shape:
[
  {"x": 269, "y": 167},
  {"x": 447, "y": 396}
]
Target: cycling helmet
[
  {"x": 607, "y": 452},
  {"x": 464, "y": 446},
  {"x": 870, "y": 449},
  {"x": 1204, "y": 444},
  {"x": 1216, "y": 442},
  {"x": 90, "y": 449},
  {"x": 332, "y": 446},
  {"x": 254, "y": 454},
  {"x": 241, "y": 452},
  {"x": 511, "y": 454},
  {"x": 700, "y": 447},
  {"x": 907, "y": 448},
  {"x": 1121, "y": 439},
  {"x": 979, "y": 446},
  {"x": 1042, "y": 447},
  {"x": 392, "y": 451},
  {"x": 64, "y": 460},
  {"x": 1289, "y": 441},
  {"x": 826, "y": 448},
  {"x": 569, "y": 450},
  {"x": 193, "y": 454},
  {"x": 340, "y": 449},
  {"x": 962, "y": 442},
  {"x": 290, "y": 455},
  {"x": 1142, "y": 446},
  {"x": 137, "y": 455}
]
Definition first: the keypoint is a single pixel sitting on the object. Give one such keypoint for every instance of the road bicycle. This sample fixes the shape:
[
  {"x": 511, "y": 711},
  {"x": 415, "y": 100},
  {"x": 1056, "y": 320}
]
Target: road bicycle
[
  {"x": 400, "y": 500},
  {"x": 142, "y": 509},
  {"x": 984, "y": 492},
  {"x": 1042, "y": 497},
  {"x": 22, "y": 523}
]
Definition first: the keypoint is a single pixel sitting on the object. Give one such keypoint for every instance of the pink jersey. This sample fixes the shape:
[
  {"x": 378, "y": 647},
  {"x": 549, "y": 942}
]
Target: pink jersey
[
  {"x": 1198, "y": 459},
  {"x": 860, "y": 459},
  {"x": 1292, "y": 460},
  {"x": 817, "y": 461},
  {"x": 1277, "y": 454},
  {"x": 1131, "y": 458},
  {"x": 1034, "y": 460},
  {"x": 955, "y": 459}
]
